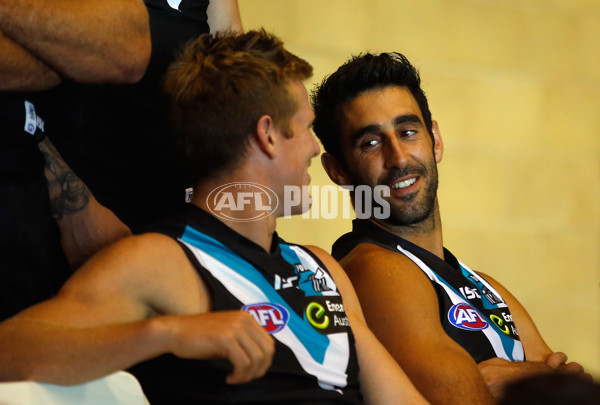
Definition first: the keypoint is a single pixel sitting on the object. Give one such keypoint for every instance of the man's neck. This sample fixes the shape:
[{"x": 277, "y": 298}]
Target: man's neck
[
  {"x": 426, "y": 234},
  {"x": 259, "y": 231}
]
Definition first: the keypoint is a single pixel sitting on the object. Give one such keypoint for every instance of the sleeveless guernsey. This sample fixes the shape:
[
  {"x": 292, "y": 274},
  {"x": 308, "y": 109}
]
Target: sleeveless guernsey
[
  {"x": 290, "y": 293},
  {"x": 472, "y": 312}
]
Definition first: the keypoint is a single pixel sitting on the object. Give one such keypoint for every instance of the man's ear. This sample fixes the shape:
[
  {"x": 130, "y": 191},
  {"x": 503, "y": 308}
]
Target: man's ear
[
  {"x": 265, "y": 135},
  {"x": 334, "y": 169},
  {"x": 438, "y": 145}
]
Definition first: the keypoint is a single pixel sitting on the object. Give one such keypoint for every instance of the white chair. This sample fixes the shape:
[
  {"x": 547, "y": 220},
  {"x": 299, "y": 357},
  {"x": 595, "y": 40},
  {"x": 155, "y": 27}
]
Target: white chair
[{"x": 120, "y": 388}]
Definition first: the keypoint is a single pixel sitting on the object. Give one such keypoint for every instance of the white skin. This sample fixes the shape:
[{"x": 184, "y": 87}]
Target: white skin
[
  {"x": 385, "y": 141},
  {"x": 91, "y": 41},
  {"x": 141, "y": 297},
  {"x": 43, "y": 42}
]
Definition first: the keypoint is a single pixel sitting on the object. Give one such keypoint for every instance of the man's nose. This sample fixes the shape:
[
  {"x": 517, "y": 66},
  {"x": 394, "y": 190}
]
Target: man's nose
[
  {"x": 316, "y": 146},
  {"x": 395, "y": 153}
]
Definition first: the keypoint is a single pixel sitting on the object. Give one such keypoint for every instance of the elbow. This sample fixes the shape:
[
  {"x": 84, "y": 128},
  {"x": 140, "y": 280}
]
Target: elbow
[
  {"x": 44, "y": 373},
  {"x": 133, "y": 67},
  {"x": 136, "y": 55},
  {"x": 19, "y": 371},
  {"x": 138, "y": 62}
]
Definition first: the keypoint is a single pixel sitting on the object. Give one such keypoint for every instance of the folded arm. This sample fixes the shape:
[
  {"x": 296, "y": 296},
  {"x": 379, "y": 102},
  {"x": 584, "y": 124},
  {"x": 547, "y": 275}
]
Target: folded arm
[
  {"x": 90, "y": 41},
  {"x": 540, "y": 358},
  {"x": 22, "y": 71}
]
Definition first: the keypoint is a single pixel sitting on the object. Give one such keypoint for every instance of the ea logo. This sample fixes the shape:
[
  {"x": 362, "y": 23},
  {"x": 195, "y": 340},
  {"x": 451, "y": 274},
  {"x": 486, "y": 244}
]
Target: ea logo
[
  {"x": 254, "y": 199},
  {"x": 271, "y": 317},
  {"x": 315, "y": 313},
  {"x": 466, "y": 317},
  {"x": 500, "y": 323}
]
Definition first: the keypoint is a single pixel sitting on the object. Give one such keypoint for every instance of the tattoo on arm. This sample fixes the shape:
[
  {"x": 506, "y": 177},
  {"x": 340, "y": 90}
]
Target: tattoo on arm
[{"x": 68, "y": 193}]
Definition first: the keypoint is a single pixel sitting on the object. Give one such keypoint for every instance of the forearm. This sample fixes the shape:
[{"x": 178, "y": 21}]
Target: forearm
[
  {"x": 35, "y": 349},
  {"x": 46, "y": 352},
  {"x": 224, "y": 15},
  {"x": 21, "y": 71},
  {"x": 89, "y": 41},
  {"x": 85, "y": 225},
  {"x": 445, "y": 375}
]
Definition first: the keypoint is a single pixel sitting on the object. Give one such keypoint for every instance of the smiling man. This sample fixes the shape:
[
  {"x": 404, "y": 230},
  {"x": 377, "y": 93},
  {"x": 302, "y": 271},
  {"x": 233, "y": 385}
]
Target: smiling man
[
  {"x": 452, "y": 330},
  {"x": 217, "y": 308}
]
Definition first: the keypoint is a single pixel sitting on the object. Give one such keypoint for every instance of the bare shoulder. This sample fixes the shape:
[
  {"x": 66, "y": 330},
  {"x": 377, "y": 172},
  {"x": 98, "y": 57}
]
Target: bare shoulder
[
  {"x": 507, "y": 296},
  {"x": 341, "y": 280},
  {"x": 330, "y": 263},
  {"x": 335, "y": 269},
  {"x": 372, "y": 264},
  {"x": 135, "y": 256},
  {"x": 150, "y": 268}
]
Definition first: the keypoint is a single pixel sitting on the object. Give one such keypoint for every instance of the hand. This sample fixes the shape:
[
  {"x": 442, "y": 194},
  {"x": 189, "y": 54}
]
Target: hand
[
  {"x": 558, "y": 361},
  {"x": 497, "y": 373},
  {"x": 232, "y": 335}
]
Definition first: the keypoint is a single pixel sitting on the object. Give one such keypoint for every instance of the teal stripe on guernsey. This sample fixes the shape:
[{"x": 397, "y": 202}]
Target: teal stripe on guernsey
[
  {"x": 507, "y": 343},
  {"x": 317, "y": 343}
]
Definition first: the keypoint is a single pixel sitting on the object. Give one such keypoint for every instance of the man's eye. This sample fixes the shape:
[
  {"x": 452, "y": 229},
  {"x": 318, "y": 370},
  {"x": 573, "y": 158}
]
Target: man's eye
[
  {"x": 408, "y": 132},
  {"x": 369, "y": 144}
]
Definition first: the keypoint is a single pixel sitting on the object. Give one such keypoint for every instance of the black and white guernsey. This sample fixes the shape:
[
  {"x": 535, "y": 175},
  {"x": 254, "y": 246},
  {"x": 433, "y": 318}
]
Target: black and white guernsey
[
  {"x": 290, "y": 293},
  {"x": 472, "y": 312}
]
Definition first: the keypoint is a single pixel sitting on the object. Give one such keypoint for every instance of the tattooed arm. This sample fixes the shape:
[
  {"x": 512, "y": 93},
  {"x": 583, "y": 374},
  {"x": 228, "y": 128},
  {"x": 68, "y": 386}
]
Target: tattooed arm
[{"x": 85, "y": 225}]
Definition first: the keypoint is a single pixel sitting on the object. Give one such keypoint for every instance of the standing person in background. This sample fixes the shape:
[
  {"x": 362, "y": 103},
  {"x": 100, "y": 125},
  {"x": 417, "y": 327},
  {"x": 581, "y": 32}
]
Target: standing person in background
[
  {"x": 196, "y": 303},
  {"x": 459, "y": 335},
  {"x": 115, "y": 137},
  {"x": 42, "y": 44}
]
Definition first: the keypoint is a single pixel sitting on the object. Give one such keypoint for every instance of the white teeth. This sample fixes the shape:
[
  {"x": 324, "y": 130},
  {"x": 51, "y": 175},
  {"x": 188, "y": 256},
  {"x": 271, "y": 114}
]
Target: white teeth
[{"x": 405, "y": 183}]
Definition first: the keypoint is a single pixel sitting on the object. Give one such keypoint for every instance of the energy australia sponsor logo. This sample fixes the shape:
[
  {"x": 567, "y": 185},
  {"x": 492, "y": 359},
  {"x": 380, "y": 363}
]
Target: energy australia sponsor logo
[
  {"x": 326, "y": 314},
  {"x": 466, "y": 317},
  {"x": 272, "y": 317}
]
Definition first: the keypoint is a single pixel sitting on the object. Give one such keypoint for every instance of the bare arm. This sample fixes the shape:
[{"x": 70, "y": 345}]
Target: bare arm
[
  {"x": 87, "y": 41},
  {"x": 85, "y": 225},
  {"x": 401, "y": 308},
  {"x": 540, "y": 358},
  {"x": 21, "y": 71},
  {"x": 224, "y": 15},
  {"x": 382, "y": 380},
  {"x": 533, "y": 343},
  {"x": 102, "y": 320}
]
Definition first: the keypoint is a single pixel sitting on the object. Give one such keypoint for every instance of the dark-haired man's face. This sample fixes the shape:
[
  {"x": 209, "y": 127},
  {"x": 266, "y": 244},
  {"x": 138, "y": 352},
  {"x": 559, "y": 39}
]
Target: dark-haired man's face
[{"x": 385, "y": 142}]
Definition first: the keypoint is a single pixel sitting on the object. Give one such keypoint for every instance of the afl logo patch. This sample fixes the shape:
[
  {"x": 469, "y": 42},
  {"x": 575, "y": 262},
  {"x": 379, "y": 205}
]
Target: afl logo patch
[
  {"x": 466, "y": 317},
  {"x": 271, "y": 317}
]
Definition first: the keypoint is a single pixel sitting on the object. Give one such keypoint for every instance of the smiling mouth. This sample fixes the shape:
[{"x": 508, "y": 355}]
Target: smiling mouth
[{"x": 404, "y": 183}]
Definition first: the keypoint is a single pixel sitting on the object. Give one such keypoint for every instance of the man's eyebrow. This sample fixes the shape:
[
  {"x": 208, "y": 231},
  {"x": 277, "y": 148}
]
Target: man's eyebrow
[
  {"x": 375, "y": 128},
  {"x": 407, "y": 119}
]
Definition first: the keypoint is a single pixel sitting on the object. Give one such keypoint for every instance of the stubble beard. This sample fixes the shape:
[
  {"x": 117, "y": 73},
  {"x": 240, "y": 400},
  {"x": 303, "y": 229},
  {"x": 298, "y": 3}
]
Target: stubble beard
[{"x": 414, "y": 209}]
